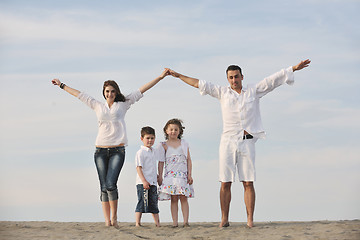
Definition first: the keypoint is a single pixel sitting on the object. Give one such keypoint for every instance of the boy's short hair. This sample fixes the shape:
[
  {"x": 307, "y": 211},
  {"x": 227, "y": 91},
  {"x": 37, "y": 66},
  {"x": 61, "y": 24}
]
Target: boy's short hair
[{"x": 147, "y": 130}]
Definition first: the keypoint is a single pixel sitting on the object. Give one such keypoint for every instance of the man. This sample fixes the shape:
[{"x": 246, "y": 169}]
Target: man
[{"x": 241, "y": 128}]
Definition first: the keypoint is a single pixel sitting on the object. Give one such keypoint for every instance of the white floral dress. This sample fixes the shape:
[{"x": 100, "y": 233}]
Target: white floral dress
[{"x": 175, "y": 174}]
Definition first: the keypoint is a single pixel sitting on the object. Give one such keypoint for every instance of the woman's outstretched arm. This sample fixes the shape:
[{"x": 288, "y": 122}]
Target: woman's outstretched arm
[
  {"x": 68, "y": 89},
  {"x": 152, "y": 83}
]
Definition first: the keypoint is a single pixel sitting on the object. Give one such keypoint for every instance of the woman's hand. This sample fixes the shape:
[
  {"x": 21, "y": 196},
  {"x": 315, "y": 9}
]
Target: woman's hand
[
  {"x": 165, "y": 73},
  {"x": 56, "y": 82}
]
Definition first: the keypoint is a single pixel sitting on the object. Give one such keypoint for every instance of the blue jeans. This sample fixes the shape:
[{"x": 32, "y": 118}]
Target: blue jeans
[
  {"x": 109, "y": 162},
  {"x": 150, "y": 205}
]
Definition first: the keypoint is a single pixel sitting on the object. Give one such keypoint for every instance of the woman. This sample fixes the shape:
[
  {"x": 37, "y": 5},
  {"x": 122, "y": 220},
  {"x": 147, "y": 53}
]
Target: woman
[{"x": 111, "y": 139}]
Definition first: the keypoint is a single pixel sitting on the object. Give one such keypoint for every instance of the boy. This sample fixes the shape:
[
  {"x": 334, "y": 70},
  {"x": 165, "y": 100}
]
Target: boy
[{"x": 146, "y": 179}]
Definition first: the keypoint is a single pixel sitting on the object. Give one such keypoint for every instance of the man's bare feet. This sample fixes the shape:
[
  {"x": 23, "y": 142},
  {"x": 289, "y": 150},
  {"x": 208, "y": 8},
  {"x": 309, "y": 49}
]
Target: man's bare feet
[{"x": 225, "y": 224}]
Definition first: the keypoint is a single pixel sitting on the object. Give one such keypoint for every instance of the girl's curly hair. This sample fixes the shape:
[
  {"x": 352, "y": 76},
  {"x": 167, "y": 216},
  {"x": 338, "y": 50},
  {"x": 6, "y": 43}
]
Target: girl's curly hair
[{"x": 177, "y": 122}]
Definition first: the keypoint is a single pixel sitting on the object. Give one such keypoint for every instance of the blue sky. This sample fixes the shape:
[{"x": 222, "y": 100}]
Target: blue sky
[{"x": 307, "y": 168}]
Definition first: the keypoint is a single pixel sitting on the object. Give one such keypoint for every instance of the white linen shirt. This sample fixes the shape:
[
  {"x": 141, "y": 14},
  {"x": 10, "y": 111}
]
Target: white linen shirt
[
  {"x": 111, "y": 123},
  {"x": 146, "y": 158},
  {"x": 241, "y": 111}
]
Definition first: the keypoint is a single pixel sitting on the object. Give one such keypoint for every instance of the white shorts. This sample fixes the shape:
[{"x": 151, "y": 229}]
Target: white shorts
[{"x": 238, "y": 155}]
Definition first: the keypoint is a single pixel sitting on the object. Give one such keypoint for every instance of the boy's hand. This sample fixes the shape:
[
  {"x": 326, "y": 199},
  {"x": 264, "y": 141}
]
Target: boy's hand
[{"x": 146, "y": 185}]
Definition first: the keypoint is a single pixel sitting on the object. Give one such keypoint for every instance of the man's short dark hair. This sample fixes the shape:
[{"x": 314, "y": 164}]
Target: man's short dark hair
[
  {"x": 147, "y": 130},
  {"x": 233, "y": 68}
]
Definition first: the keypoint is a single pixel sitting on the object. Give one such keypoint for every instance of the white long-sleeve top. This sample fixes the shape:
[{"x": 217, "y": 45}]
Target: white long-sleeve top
[
  {"x": 241, "y": 111},
  {"x": 111, "y": 123}
]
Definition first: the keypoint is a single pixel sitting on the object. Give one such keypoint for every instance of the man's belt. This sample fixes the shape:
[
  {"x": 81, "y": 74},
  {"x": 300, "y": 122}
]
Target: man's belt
[{"x": 248, "y": 136}]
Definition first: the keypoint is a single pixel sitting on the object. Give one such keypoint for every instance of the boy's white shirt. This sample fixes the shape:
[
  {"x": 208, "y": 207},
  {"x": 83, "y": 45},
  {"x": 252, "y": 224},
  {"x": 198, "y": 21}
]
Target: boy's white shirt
[{"x": 147, "y": 159}]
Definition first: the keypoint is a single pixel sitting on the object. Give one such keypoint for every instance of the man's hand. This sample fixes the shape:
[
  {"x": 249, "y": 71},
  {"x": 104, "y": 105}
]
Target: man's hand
[
  {"x": 165, "y": 73},
  {"x": 174, "y": 74},
  {"x": 301, "y": 65}
]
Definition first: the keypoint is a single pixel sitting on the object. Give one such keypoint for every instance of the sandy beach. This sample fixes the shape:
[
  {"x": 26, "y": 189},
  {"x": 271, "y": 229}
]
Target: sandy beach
[{"x": 205, "y": 230}]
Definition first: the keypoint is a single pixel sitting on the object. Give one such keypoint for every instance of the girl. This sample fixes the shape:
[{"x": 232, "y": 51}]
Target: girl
[
  {"x": 111, "y": 139},
  {"x": 178, "y": 181}
]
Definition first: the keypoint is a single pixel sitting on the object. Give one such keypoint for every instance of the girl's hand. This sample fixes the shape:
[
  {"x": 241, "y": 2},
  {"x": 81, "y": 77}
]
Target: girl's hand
[
  {"x": 56, "y": 82},
  {"x": 190, "y": 180}
]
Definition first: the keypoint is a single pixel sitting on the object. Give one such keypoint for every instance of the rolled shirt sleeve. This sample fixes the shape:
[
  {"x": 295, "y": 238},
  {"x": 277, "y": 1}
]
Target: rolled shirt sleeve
[
  {"x": 134, "y": 97},
  {"x": 275, "y": 80},
  {"x": 209, "y": 88},
  {"x": 88, "y": 100}
]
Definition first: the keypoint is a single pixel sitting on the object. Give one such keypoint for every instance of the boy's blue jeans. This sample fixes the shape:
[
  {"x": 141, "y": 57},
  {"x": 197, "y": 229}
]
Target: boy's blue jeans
[{"x": 109, "y": 162}]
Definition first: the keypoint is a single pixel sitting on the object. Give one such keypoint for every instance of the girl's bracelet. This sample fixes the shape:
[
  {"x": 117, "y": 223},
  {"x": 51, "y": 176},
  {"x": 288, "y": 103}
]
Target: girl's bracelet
[{"x": 62, "y": 85}]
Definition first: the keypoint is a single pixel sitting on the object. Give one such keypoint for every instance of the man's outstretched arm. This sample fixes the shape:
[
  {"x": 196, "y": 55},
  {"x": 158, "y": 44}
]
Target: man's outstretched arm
[
  {"x": 189, "y": 80},
  {"x": 301, "y": 65}
]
